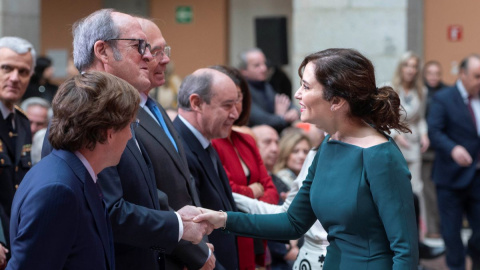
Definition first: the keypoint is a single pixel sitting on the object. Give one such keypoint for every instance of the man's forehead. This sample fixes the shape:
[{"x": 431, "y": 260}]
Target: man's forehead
[{"x": 8, "y": 56}]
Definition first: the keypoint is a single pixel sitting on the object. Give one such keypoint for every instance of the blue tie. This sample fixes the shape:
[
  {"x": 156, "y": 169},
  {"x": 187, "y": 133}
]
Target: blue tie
[{"x": 154, "y": 109}]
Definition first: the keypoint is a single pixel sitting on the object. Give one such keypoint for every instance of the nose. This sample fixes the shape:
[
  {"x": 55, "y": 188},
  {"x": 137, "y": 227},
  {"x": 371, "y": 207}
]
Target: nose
[
  {"x": 14, "y": 75},
  {"x": 298, "y": 94},
  {"x": 234, "y": 114},
  {"x": 165, "y": 59},
  {"x": 147, "y": 56}
]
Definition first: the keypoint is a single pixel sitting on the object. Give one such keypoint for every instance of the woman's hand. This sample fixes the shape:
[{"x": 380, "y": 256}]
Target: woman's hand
[
  {"x": 257, "y": 190},
  {"x": 424, "y": 142},
  {"x": 400, "y": 139},
  {"x": 218, "y": 219}
]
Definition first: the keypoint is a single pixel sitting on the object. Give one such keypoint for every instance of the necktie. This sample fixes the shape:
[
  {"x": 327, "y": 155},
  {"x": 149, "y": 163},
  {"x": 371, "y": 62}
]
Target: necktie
[
  {"x": 472, "y": 113},
  {"x": 154, "y": 109},
  {"x": 213, "y": 157}
]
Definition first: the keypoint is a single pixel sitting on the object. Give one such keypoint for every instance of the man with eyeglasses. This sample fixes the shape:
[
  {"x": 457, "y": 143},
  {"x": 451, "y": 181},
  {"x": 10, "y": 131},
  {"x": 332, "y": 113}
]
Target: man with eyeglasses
[
  {"x": 114, "y": 42},
  {"x": 165, "y": 149},
  {"x": 17, "y": 60}
]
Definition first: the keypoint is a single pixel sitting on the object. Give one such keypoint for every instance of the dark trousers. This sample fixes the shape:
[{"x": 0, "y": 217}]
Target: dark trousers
[{"x": 453, "y": 204}]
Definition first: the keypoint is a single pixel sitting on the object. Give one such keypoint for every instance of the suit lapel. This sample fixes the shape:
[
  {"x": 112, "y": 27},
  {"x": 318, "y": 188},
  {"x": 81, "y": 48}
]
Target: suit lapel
[
  {"x": 204, "y": 159},
  {"x": 95, "y": 204},
  {"x": 145, "y": 164},
  {"x": 458, "y": 102}
]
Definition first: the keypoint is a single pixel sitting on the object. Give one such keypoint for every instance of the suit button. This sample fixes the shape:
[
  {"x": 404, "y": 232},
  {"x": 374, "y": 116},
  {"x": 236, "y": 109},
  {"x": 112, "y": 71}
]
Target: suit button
[
  {"x": 16, "y": 168},
  {"x": 16, "y": 186}
]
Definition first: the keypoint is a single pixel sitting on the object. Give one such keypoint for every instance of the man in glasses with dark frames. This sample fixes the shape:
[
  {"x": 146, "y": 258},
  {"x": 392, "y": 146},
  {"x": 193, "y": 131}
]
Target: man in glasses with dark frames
[
  {"x": 114, "y": 42},
  {"x": 165, "y": 149}
]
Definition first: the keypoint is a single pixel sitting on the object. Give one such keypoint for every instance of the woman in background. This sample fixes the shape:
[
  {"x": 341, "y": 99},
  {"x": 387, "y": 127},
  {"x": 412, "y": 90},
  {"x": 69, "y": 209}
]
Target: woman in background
[
  {"x": 294, "y": 146},
  {"x": 358, "y": 184},
  {"x": 245, "y": 170}
]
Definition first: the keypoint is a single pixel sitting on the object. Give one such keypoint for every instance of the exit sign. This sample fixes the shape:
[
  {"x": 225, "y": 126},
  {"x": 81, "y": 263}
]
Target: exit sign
[{"x": 184, "y": 14}]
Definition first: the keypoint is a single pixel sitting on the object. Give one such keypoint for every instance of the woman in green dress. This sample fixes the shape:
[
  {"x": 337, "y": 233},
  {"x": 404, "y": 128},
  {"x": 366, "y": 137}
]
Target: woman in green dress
[{"x": 358, "y": 185}]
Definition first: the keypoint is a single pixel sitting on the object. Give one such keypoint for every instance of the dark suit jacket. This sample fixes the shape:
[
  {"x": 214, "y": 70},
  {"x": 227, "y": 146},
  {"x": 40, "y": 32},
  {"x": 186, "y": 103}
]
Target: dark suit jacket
[
  {"x": 141, "y": 232},
  {"x": 58, "y": 220},
  {"x": 450, "y": 124},
  {"x": 173, "y": 178},
  {"x": 14, "y": 163},
  {"x": 215, "y": 193}
]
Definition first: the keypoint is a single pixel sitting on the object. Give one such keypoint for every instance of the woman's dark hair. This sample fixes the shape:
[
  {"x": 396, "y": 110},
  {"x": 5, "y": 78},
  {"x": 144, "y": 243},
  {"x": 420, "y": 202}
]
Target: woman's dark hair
[
  {"x": 347, "y": 74},
  {"x": 239, "y": 81},
  {"x": 86, "y": 106}
]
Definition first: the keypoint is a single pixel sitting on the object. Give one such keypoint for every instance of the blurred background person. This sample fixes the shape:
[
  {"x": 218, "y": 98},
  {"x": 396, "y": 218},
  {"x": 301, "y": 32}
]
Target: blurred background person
[
  {"x": 40, "y": 84},
  {"x": 432, "y": 78},
  {"x": 407, "y": 82},
  {"x": 245, "y": 170},
  {"x": 268, "y": 107},
  {"x": 39, "y": 113},
  {"x": 294, "y": 146}
]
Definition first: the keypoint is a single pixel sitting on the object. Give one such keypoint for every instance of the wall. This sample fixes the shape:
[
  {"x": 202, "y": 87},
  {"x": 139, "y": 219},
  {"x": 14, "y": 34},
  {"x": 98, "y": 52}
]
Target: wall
[
  {"x": 20, "y": 18},
  {"x": 199, "y": 44},
  {"x": 376, "y": 28},
  {"x": 439, "y": 14}
]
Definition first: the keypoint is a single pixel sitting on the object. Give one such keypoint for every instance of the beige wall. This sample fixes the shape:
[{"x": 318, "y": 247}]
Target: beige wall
[
  {"x": 198, "y": 44},
  {"x": 439, "y": 14}
]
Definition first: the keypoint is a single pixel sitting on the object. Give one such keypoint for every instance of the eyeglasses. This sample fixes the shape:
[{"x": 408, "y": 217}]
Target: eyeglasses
[
  {"x": 134, "y": 124},
  {"x": 142, "y": 44},
  {"x": 159, "y": 54}
]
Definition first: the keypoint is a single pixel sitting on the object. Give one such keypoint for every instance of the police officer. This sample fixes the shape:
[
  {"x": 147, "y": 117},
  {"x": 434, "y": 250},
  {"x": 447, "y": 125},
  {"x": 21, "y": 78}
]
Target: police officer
[{"x": 17, "y": 60}]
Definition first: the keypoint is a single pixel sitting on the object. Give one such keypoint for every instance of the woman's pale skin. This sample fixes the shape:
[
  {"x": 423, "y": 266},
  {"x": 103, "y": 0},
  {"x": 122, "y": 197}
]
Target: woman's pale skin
[
  {"x": 409, "y": 73},
  {"x": 297, "y": 156},
  {"x": 332, "y": 116}
]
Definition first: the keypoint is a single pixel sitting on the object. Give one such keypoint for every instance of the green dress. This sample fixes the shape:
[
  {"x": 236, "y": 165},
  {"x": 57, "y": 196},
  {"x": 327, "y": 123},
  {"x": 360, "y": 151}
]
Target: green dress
[{"x": 364, "y": 200}]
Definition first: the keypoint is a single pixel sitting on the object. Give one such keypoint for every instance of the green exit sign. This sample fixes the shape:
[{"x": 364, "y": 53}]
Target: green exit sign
[{"x": 184, "y": 14}]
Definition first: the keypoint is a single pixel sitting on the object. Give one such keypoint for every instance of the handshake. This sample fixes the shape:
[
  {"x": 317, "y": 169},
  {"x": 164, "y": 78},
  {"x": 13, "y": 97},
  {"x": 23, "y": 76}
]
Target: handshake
[{"x": 198, "y": 222}]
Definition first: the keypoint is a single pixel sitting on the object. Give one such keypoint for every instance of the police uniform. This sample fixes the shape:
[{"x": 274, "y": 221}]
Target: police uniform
[{"x": 15, "y": 159}]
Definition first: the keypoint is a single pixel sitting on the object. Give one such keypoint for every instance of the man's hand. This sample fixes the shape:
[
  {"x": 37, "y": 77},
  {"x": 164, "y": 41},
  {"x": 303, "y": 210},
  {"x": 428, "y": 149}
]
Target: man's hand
[
  {"x": 282, "y": 103},
  {"x": 257, "y": 190},
  {"x": 291, "y": 116},
  {"x": 401, "y": 141},
  {"x": 210, "y": 264},
  {"x": 193, "y": 231},
  {"x": 461, "y": 156},
  {"x": 3, "y": 256}
]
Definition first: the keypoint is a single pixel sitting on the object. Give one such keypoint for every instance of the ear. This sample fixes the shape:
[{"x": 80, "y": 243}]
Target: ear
[
  {"x": 337, "y": 103},
  {"x": 110, "y": 134},
  {"x": 100, "y": 50},
  {"x": 195, "y": 102}
]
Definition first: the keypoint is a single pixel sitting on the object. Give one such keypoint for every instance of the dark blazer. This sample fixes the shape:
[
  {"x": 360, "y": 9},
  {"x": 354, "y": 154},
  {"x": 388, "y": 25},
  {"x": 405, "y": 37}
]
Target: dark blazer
[
  {"x": 14, "y": 161},
  {"x": 215, "y": 193},
  {"x": 450, "y": 124},
  {"x": 142, "y": 233},
  {"x": 58, "y": 219},
  {"x": 173, "y": 178}
]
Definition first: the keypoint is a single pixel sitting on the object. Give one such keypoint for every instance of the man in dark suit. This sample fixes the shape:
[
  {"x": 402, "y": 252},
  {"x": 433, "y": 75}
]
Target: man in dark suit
[
  {"x": 164, "y": 147},
  {"x": 207, "y": 111},
  {"x": 17, "y": 60},
  {"x": 142, "y": 233},
  {"x": 454, "y": 128},
  {"x": 58, "y": 219},
  {"x": 268, "y": 107}
]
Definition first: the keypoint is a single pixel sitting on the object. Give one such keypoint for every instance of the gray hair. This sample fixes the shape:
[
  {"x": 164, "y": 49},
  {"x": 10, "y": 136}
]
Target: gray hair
[
  {"x": 195, "y": 84},
  {"x": 96, "y": 26},
  {"x": 243, "y": 61},
  {"x": 39, "y": 102},
  {"x": 20, "y": 46}
]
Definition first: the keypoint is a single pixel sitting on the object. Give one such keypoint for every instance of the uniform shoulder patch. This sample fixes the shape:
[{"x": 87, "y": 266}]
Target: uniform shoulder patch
[{"x": 20, "y": 110}]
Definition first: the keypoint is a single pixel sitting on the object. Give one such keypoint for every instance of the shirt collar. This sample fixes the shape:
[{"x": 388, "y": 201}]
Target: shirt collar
[
  {"x": 462, "y": 90},
  {"x": 87, "y": 165},
  {"x": 203, "y": 141},
  {"x": 143, "y": 99},
  {"x": 5, "y": 111}
]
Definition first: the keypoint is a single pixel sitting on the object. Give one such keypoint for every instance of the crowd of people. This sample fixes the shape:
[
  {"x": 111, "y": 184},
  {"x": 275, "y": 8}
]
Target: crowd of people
[{"x": 123, "y": 167}]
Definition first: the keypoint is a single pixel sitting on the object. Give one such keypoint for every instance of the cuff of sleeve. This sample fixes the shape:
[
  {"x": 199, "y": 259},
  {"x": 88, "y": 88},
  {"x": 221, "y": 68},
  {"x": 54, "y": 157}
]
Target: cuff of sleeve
[{"x": 180, "y": 227}]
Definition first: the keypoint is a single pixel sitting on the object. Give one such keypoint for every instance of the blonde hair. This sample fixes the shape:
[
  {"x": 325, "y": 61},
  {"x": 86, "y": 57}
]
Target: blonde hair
[
  {"x": 288, "y": 141},
  {"x": 417, "y": 84}
]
